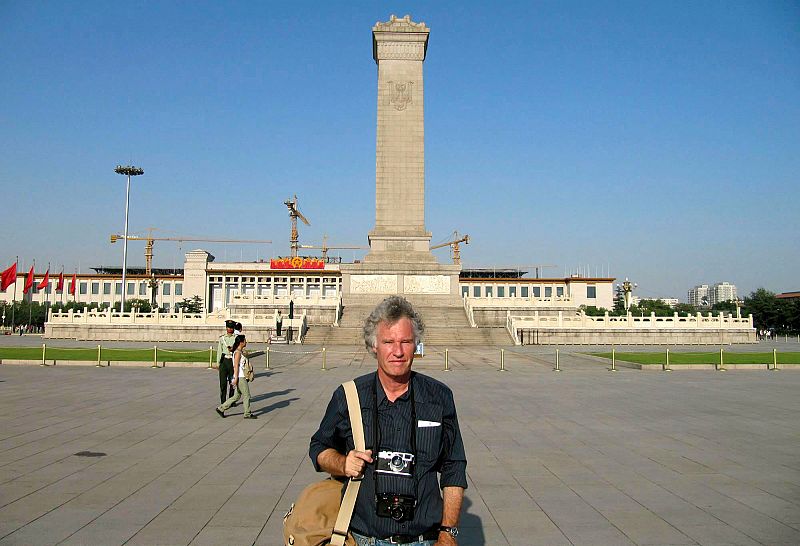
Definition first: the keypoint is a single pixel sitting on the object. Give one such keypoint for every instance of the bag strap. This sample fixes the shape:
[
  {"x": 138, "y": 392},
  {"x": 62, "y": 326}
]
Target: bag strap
[{"x": 351, "y": 493}]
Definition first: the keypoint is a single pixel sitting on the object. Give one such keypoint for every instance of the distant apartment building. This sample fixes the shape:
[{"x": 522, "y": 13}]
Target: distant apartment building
[
  {"x": 703, "y": 295},
  {"x": 722, "y": 291},
  {"x": 698, "y": 296}
]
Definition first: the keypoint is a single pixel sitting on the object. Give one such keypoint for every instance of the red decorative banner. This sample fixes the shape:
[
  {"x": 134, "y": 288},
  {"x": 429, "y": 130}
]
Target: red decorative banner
[{"x": 296, "y": 263}]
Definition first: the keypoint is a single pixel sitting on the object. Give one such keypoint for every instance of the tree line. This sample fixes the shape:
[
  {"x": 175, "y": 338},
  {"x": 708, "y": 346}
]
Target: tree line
[{"x": 769, "y": 311}]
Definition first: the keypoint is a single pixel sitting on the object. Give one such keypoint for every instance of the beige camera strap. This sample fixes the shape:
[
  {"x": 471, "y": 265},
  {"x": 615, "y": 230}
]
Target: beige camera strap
[{"x": 351, "y": 493}]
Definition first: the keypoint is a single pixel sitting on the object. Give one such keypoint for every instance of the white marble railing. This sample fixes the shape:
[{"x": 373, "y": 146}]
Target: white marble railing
[
  {"x": 247, "y": 318},
  {"x": 514, "y": 323},
  {"x": 271, "y": 300},
  {"x": 468, "y": 309}
]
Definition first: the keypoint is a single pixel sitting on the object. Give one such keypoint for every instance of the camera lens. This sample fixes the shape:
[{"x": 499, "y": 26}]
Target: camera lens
[
  {"x": 396, "y": 462},
  {"x": 397, "y": 513}
]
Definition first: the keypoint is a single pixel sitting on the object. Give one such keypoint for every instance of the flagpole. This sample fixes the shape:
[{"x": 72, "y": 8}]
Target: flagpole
[
  {"x": 30, "y": 297},
  {"x": 14, "y": 300}
]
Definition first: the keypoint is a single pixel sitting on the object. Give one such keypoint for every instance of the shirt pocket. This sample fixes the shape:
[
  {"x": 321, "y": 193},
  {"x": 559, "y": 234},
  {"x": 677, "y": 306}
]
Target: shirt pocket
[{"x": 429, "y": 434}]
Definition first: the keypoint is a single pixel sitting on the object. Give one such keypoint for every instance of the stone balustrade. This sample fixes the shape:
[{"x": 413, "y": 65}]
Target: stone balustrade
[
  {"x": 581, "y": 328},
  {"x": 248, "y": 318}
]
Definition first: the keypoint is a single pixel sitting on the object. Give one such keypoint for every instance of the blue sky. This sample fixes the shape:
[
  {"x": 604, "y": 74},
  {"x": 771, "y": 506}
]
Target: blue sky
[{"x": 657, "y": 141}]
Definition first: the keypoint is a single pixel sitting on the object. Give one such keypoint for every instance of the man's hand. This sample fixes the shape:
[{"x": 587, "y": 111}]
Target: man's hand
[
  {"x": 356, "y": 462},
  {"x": 445, "y": 539}
]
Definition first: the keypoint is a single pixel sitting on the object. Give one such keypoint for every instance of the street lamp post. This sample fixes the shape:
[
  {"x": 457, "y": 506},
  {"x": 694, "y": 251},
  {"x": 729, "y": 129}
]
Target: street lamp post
[
  {"x": 126, "y": 170},
  {"x": 627, "y": 288}
]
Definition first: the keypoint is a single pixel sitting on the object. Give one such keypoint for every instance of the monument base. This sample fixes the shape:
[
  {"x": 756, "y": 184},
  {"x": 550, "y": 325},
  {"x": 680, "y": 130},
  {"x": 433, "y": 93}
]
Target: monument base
[
  {"x": 397, "y": 248},
  {"x": 428, "y": 284}
]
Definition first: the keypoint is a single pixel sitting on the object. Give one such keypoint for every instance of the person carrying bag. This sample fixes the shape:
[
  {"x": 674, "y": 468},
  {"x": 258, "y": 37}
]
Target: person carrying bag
[{"x": 321, "y": 516}]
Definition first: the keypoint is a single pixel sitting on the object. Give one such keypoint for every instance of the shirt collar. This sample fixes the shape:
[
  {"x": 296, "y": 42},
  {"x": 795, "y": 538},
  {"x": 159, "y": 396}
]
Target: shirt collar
[{"x": 419, "y": 393}]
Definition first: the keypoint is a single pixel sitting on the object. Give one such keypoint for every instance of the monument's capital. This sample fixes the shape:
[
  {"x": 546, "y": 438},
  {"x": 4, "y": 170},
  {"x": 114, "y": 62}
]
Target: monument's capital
[{"x": 399, "y": 39}]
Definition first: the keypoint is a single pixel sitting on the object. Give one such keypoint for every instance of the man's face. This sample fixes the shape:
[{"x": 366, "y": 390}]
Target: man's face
[{"x": 394, "y": 349}]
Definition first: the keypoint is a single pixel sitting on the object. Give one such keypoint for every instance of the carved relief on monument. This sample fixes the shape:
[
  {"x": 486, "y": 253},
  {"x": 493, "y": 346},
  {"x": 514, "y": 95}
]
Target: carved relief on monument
[
  {"x": 400, "y": 94},
  {"x": 401, "y": 51},
  {"x": 426, "y": 284},
  {"x": 373, "y": 284},
  {"x": 402, "y": 24}
]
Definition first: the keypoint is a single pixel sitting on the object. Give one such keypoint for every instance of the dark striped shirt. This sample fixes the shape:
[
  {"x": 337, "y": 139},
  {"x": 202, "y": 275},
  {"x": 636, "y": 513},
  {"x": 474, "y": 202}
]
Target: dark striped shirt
[{"x": 440, "y": 457}]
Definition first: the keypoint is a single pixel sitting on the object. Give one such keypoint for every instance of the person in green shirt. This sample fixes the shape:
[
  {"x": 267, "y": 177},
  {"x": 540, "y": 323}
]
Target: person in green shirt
[{"x": 225, "y": 356}]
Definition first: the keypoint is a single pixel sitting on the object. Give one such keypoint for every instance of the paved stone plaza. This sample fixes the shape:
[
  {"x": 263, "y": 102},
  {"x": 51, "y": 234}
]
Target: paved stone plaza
[{"x": 127, "y": 455}]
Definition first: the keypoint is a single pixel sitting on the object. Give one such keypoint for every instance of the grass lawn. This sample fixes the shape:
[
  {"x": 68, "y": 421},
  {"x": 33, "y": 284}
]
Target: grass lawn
[
  {"x": 704, "y": 358},
  {"x": 119, "y": 355}
]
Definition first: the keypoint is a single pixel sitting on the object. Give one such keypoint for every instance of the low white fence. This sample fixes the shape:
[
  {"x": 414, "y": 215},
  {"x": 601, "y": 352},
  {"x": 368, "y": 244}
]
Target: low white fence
[
  {"x": 247, "y": 318},
  {"x": 581, "y": 321}
]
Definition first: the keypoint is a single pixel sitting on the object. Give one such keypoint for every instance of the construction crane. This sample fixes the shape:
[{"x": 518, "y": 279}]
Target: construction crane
[
  {"x": 148, "y": 246},
  {"x": 325, "y": 248},
  {"x": 294, "y": 214},
  {"x": 454, "y": 249}
]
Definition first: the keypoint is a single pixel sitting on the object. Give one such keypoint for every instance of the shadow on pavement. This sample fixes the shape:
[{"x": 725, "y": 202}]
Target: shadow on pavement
[{"x": 266, "y": 395}]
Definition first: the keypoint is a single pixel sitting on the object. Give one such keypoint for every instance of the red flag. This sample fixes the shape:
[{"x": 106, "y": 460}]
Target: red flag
[
  {"x": 46, "y": 280},
  {"x": 28, "y": 282},
  {"x": 9, "y": 277},
  {"x": 73, "y": 283},
  {"x": 60, "y": 286}
]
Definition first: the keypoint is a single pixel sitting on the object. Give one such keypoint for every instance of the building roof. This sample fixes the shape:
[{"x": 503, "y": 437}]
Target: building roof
[
  {"x": 159, "y": 271},
  {"x": 789, "y": 295}
]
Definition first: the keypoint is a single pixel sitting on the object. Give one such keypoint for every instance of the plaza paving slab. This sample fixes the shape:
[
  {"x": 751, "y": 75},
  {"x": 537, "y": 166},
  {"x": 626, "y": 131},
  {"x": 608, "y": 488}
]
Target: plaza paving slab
[{"x": 126, "y": 455}]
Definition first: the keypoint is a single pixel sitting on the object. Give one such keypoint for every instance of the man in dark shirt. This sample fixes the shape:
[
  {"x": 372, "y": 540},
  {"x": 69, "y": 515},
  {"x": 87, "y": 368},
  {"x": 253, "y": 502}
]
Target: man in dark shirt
[{"x": 414, "y": 445}]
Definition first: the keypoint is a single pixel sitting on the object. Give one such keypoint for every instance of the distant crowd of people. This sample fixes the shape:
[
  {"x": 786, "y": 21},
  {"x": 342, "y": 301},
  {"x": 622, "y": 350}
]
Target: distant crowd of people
[{"x": 766, "y": 334}]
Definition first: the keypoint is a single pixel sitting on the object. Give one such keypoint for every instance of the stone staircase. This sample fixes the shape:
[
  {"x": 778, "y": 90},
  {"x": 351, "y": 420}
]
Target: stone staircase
[{"x": 444, "y": 325}]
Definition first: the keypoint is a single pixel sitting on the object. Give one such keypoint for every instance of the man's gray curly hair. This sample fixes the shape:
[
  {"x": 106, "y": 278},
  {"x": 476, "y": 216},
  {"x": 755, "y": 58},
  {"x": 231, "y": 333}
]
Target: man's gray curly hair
[{"x": 390, "y": 311}]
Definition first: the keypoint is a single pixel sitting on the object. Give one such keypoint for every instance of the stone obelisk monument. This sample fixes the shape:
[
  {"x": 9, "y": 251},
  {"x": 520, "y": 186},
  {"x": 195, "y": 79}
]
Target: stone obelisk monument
[{"x": 399, "y": 260}]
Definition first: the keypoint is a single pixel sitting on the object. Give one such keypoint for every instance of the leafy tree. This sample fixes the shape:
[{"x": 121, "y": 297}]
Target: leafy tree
[
  {"x": 658, "y": 307},
  {"x": 685, "y": 309},
  {"x": 191, "y": 305},
  {"x": 141, "y": 304},
  {"x": 594, "y": 311},
  {"x": 763, "y": 305},
  {"x": 728, "y": 306}
]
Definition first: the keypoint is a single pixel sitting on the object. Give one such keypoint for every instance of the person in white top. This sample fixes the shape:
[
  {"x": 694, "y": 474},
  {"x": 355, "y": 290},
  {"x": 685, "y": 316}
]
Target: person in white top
[{"x": 239, "y": 380}]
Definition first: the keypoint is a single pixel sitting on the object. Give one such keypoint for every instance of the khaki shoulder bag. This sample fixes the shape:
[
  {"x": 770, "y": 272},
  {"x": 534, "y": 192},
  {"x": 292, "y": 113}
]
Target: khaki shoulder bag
[{"x": 320, "y": 516}]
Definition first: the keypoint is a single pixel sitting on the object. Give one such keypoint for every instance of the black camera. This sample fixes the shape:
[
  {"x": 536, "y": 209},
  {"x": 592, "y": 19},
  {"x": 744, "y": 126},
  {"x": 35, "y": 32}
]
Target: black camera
[{"x": 396, "y": 506}]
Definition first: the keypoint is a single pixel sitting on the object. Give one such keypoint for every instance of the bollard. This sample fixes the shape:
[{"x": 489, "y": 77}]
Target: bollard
[
  {"x": 98, "y": 365},
  {"x": 558, "y": 367},
  {"x": 613, "y": 359},
  {"x": 502, "y": 360},
  {"x": 44, "y": 351},
  {"x": 447, "y": 360},
  {"x": 721, "y": 367},
  {"x": 267, "y": 357},
  {"x": 666, "y": 362},
  {"x": 774, "y": 359},
  {"x": 324, "y": 357},
  {"x": 155, "y": 357},
  {"x": 210, "y": 356}
]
